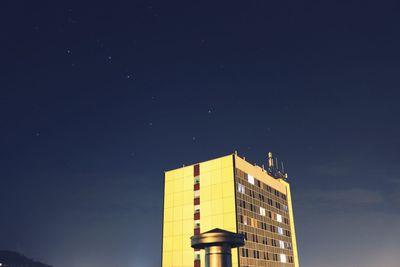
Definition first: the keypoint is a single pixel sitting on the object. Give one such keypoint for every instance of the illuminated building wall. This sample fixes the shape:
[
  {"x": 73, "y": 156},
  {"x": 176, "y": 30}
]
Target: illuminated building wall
[{"x": 231, "y": 194}]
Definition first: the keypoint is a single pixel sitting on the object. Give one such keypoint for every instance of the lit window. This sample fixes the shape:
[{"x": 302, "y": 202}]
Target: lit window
[
  {"x": 250, "y": 179},
  {"x": 281, "y": 244},
  {"x": 196, "y": 193},
  {"x": 283, "y": 258},
  {"x": 279, "y": 217},
  {"x": 241, "y": 189},
  {"x": 280, "y": 231},
  {"x": 262, "y": 211}
]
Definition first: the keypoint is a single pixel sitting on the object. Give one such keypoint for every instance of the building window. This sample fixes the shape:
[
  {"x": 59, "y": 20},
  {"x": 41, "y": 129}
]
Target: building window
[
  {"x": 287, "y": 233},
  {"x": 281, "y": 244},
  {"x": 283, "y": 258},
  {"x": 279, "y": 217},
  {"x": 252, "y": 193},
  {"x": 241, "y": 189},
  {"x": 250, "y": 179},
  {"x": 197, "y": 193},
  {"x": 262, "y": 211},
  {"x": 280, "y": 230}
]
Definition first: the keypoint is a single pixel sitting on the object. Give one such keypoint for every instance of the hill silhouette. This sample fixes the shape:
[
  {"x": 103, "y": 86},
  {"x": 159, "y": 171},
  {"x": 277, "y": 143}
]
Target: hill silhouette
[{"x": 14, "y": 259}]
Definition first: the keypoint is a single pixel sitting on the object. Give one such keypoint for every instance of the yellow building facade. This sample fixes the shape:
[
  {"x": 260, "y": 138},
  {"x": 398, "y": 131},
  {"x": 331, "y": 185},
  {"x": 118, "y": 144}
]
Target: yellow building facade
[{"x": 231, "y": 194}]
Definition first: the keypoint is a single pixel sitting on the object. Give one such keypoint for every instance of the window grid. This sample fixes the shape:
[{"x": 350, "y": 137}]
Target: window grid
[{"x": 263, "y": 218}]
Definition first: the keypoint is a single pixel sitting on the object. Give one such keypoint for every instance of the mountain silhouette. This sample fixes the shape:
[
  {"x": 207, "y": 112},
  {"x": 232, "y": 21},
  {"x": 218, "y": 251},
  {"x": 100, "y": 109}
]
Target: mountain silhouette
[{"x": 14, "y": 259}]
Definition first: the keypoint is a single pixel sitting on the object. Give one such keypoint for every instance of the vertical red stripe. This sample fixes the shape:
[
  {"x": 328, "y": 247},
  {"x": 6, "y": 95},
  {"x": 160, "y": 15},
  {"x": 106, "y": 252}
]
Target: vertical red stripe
[
  {"x": 196, "y": 187},
  {"x": 196, "y": 170},
  {"x": 196, "y": 201}
]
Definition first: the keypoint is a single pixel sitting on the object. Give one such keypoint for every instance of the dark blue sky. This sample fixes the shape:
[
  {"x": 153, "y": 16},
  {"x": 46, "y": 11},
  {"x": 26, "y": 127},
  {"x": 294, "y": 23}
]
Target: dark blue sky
[{"x": 97, "y": 99}]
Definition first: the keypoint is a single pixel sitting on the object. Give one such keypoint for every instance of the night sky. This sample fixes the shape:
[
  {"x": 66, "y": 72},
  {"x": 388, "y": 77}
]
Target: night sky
[{"x": 98, "y": 99}]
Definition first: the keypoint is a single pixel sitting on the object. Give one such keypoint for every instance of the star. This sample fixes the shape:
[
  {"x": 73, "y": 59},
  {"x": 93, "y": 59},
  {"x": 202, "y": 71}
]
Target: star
[
  {"x": 37, "y": 133},
  {"x": 150, "y": 124},
  {"x": 209, "y": 111},
  {"x": 68, "y": 51}
]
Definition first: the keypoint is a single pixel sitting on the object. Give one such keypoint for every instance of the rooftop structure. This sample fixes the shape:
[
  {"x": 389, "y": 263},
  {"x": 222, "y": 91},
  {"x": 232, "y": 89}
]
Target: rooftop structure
[{"x": 232, "y": 194}]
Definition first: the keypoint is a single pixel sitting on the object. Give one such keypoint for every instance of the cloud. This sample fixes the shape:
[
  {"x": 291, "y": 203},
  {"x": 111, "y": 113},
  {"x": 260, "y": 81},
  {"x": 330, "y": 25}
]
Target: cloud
[
  {"x": 331, "y": 169},
  {"x": 343, "y": 200},
  {"x": 347, "y": 227},
  {"x": 354, "y": 196},
  {"x": 367, "y": 239},
  {"x": 394, "y": 194}
]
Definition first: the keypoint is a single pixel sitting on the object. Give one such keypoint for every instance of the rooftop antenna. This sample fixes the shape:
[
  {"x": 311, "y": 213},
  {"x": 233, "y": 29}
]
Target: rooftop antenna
[
  {"x": 276, "y": 161},
  {"x": 283, "y": 168},
  {"x": 270, "y": 160}
]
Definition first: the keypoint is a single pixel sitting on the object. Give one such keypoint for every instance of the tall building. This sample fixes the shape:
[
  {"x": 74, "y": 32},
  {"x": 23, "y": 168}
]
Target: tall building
[{"x": 232, "y": 194}]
